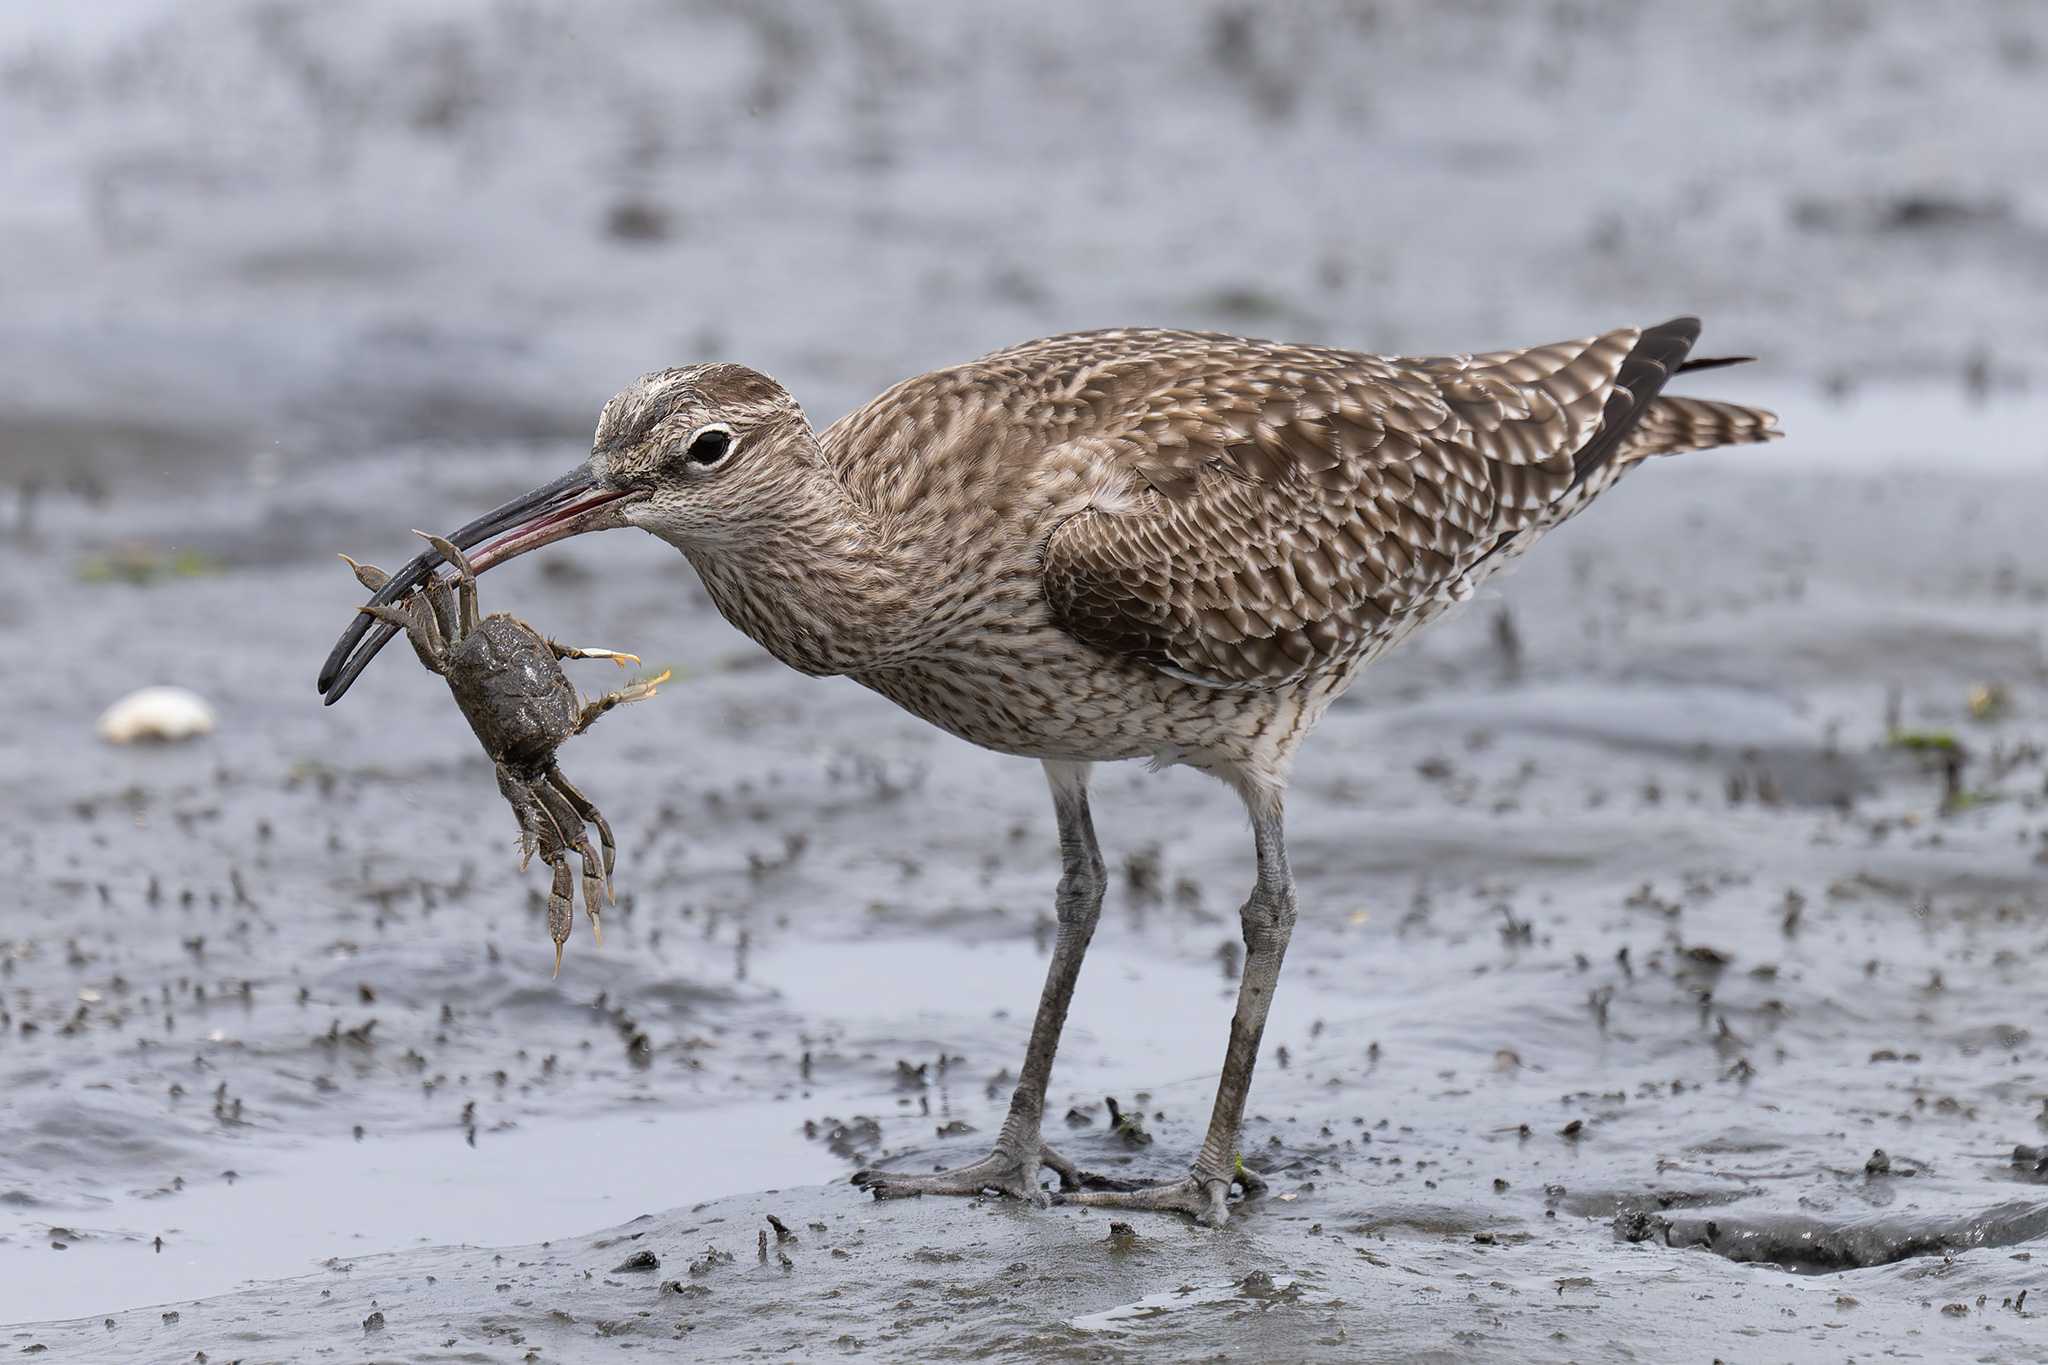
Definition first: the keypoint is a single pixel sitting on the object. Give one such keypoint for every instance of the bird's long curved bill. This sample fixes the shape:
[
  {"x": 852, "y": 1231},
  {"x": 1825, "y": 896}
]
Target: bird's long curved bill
[{"x": 572, "y": 504}]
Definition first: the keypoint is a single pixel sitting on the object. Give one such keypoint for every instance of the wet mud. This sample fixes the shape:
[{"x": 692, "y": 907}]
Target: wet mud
[
  {"x": 1673, "y": 924},
  {"x": 1649, "y": 977}
]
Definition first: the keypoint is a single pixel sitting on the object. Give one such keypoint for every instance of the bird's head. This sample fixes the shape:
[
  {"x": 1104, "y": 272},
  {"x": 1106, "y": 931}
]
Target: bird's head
[
  {"x": 698, "y": 456},
  {"x": 702, "y": 456}
]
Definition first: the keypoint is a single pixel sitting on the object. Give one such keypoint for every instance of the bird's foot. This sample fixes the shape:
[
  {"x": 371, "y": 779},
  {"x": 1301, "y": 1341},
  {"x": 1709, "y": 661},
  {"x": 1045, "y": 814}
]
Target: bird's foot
[
  {"x": 1203, "y": 1196},
  {"x": 1074, "y": 1179},
  {"x": 1003, "y": 1171}
]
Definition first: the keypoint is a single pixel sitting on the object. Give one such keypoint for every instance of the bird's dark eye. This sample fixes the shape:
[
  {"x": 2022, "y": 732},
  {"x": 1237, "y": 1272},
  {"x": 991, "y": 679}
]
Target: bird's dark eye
[{"x": 709, "y": 446}]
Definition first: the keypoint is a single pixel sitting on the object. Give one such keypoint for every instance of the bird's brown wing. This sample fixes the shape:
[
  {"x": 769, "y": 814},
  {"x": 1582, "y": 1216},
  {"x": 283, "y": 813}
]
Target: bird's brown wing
[{"x": 1296, "y": 507}]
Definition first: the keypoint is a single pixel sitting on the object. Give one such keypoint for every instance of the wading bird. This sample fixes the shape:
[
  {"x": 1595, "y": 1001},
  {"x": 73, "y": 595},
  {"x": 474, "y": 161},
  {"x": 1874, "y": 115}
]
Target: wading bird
[{"x": 1163, "y": 545}]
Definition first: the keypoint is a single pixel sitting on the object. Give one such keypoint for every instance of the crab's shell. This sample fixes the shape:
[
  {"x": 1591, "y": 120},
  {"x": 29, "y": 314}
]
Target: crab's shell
[{"x": 513, "y": 691}]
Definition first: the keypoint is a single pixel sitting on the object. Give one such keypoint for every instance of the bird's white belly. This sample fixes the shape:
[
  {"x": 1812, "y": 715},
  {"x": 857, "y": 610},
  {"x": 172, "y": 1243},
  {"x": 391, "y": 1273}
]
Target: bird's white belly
[{"x": 1061, "y": 700}]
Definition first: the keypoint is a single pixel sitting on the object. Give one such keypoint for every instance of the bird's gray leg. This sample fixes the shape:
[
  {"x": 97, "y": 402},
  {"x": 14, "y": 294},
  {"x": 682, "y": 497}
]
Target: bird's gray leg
[
  {"x": 1268, "y": 920},
  {"x": 1012, "y": 1169}
]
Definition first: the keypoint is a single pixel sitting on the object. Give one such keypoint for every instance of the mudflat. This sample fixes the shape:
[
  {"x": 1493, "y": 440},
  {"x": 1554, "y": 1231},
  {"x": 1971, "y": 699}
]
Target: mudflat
[{"x": 1673, "y": 922}]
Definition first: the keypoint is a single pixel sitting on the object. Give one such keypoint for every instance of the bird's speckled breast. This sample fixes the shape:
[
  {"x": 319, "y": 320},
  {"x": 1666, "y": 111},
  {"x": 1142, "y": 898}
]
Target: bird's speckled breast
[{"x": 1032, "y": 689}]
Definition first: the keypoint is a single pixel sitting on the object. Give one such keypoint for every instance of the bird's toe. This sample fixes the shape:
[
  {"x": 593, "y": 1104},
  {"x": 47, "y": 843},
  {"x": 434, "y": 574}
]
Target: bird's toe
[
  {"x": 1000, "y": 1173},
  {"x": 1206, "y": 1199}
]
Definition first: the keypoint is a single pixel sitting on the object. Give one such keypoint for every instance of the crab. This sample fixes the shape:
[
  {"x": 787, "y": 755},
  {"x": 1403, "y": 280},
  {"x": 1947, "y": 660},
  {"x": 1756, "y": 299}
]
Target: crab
[{"x": 507, "y": 679}]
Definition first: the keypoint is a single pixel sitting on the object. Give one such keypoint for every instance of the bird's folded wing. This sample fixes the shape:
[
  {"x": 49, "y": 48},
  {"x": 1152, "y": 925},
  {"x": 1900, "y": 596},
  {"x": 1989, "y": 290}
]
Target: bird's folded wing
[{"x": 1295, "y": 506}]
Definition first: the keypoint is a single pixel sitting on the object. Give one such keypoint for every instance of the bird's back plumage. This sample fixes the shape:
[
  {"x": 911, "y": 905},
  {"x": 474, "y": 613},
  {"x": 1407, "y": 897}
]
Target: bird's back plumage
[{"x": 1248, "y": 514}]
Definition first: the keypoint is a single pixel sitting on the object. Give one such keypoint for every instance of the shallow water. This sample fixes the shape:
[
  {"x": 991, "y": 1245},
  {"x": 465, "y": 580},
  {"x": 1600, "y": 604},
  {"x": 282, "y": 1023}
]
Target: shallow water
[{"x": 297, "y": 1206}]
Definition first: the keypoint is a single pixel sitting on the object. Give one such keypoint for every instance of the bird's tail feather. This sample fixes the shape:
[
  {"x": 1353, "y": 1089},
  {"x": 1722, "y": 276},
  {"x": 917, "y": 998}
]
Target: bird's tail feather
[
  {"x": 1713, "y": 362},
  {"x": 1641, "y": 420},
  {"x": 1658, "y": 354},
  {"x": 1671, "y": 424}
]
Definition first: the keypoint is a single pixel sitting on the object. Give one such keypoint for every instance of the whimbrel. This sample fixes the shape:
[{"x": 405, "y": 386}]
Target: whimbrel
[{"x": 1165, "y": 545}]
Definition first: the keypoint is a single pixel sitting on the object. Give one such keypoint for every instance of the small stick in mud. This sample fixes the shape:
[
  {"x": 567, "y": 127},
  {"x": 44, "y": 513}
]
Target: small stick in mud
[{"x": 507, "y": 680}]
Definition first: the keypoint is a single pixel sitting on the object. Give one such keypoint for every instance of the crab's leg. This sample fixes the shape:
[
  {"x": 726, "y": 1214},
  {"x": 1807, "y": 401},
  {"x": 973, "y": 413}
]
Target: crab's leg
[
  {"x": 369, "y": 575},
  {"x": 561, "y": 907},
  {"x": 639, "y": 691},
  {"x": 441, "y": 606},
  {"x": 595, "y": 889},
  {"x": 584, "y": 807},
  {"x": 465, "y": 577},
  {"x": 419, "y": 628},
  {"x": 540, "y": 832},
  {"x": 537, "y": 832},
  {"x": 397, "y": 616},
  {"x": 617, "y": 656}
]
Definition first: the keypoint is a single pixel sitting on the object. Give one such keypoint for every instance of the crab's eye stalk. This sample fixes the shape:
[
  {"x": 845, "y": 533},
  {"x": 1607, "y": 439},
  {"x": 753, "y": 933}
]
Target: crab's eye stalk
[{"x": 708, "y": 446}]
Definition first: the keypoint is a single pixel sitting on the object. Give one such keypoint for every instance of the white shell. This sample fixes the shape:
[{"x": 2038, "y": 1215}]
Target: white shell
[{"x": 164, "y": 714}]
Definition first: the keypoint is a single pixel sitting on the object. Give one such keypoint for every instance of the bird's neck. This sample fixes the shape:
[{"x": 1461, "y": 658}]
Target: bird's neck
[{"x": 823, "y": 586}]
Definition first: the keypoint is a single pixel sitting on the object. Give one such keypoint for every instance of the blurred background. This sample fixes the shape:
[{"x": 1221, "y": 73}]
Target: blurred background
[
  {"x": 281, "y": 279},
  {"x": 290, "y": 225}
]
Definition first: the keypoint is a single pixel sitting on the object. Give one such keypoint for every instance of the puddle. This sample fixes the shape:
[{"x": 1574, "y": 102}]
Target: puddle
[{"x": 305, "y": 1205}]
